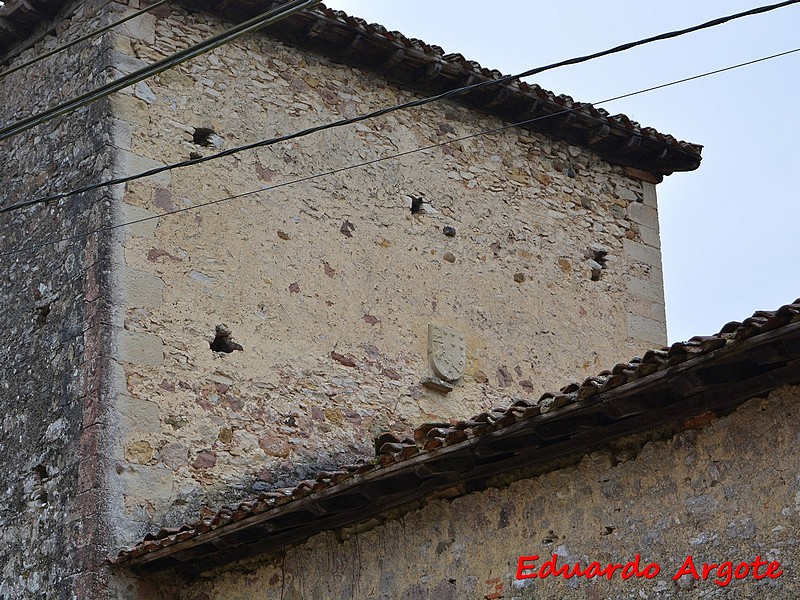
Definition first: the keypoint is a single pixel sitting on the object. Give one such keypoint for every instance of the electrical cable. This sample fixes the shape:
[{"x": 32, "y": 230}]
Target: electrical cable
[
  {"x": 83, "y": 38},
  {"x": 380, "y": 159},
  {"x": 263, "y": 20},
  {"x": 258, "y": 22},
  {"x": 386, "y": 110}
]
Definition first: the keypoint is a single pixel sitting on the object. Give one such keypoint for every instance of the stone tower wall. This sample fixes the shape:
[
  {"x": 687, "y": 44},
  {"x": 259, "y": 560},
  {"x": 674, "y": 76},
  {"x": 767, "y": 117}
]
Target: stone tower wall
[
  {"x": 117, "y": 416},
  {"x": 329, "y": 285},
  {"x": 55, "y": 309}
]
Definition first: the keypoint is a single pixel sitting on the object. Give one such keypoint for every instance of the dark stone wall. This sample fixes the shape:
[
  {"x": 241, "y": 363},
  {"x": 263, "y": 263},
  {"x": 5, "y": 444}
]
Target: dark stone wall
[{"x": 55, "y": 316}]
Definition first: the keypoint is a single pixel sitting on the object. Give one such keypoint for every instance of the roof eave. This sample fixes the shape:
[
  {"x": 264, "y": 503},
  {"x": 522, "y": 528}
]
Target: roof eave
[
  {"x": 705, "y": 377},
  {"x": 424, "y": 68}
]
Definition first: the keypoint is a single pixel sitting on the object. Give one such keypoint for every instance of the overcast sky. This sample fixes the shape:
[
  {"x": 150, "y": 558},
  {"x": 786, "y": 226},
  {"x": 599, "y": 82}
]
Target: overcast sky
[{"x": 729, "y": 229}]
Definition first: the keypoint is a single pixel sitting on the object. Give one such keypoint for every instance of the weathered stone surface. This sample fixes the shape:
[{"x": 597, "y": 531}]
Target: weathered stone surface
[
  {"x": 643, "y": 214},
  {"x": 141, "y": 289},
  {"x": 54, "y": 365},
  {"x": 140, "y": 348},
  {"x": 130, "y": 163},
  {"x": 174, "y": 455},
  {"x": 274, "y": 445},
  {"x": 138, "y": 416},
  {"x": 329, "y": 287},
  {"x": 649, "y": 236},
  {"x": 646, "y": 329},
  {"x": 140, "y": 452},
  {"x": 146, "y": 228},
  {"x": 205, "y": 460},
  {"x": 643, "y": 254},
  {"x": 649, "y": 195},
  {"x": 663, "y": 499},
  {"x": 142, "y": 91}
]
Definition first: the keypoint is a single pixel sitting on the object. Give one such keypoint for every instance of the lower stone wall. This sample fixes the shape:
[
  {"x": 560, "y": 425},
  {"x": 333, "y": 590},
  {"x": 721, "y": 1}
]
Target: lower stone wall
[{"x": 727, "y": 492}]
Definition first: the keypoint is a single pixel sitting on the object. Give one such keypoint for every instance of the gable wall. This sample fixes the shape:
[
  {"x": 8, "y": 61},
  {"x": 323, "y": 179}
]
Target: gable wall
[{"x": 339, "y": 265}]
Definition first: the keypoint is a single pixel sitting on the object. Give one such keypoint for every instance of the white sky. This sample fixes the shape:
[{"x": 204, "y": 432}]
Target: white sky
[{"x": 728, "y": 229}]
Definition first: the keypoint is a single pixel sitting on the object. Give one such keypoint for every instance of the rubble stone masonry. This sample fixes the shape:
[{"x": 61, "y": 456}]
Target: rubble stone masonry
[
  {"x": 118, "y": 416},
  {"x": 329, "y": 285},
  {"x": 55, "y": 309},
  {"x": 662, "y": 498}
]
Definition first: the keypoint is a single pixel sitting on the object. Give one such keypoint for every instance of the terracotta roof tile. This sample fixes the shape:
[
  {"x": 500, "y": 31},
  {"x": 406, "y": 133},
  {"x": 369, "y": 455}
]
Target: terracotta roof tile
[{"x": 428, "y": 69}]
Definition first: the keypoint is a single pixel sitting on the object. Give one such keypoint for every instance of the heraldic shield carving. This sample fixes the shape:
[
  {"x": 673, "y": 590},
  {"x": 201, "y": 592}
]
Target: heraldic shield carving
[{"x": 446, "y": 352}]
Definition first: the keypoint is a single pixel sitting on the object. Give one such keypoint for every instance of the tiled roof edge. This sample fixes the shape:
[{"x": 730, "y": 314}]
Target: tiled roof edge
[{"x": 425, "y": 68}]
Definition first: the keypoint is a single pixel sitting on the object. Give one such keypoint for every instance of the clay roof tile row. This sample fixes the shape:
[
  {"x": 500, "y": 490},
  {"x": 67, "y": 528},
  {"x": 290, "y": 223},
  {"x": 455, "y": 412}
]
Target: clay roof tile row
[{"x": 427, "y": 68}]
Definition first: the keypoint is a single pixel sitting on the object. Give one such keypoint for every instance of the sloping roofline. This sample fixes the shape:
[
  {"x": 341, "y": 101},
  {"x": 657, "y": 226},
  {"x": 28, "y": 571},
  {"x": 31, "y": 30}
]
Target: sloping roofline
[
  {"x": 413, "y": 64},
  {"x": 685, "y": 385}
]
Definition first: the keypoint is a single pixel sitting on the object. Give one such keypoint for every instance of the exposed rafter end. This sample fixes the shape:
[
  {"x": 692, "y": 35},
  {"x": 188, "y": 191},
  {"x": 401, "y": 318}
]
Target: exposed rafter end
[
  {"x": 598, "y": 134},
  {"x": 642, "y": 175},
  {"x": 497, "y": 98},
  {"x": 432, "y": 71},
  {"x": 471, "y": 79},
  {"x": 634, "y": 143},
  {"x": 566, "y": 119},
  {"x": 315, "y": 30},
  {"x": 356, "y": 44},
  {"x": 395, "y": 58},
  {"x": 531, "y": 112}
]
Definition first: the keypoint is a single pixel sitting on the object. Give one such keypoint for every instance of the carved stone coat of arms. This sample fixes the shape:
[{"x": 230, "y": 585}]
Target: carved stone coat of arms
[{"x": 447, "y": 352}]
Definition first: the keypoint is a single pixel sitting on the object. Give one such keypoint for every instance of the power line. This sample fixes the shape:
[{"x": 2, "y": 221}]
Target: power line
[
  {"x": 381, "y": 159},
  {"x": 706, "y": 74},
  {"x": 264, "y": 20},
  {"x": 258, "y": 22},
  {"x": 383, "y": 111},
  {"x": 83, "y": 38}
]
